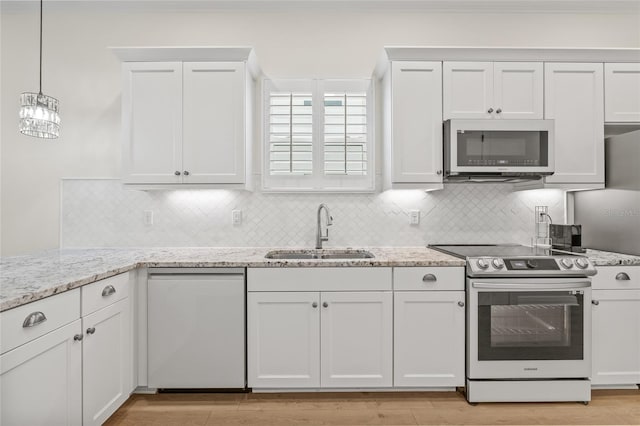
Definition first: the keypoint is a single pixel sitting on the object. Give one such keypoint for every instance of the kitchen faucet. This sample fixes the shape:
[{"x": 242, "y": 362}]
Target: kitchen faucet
[{"x": 319, "y": 237}]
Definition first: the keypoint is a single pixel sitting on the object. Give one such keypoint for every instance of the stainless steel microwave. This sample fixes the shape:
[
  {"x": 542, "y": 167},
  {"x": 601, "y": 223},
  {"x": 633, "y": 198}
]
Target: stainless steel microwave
[{"x": 478, "y": 150}]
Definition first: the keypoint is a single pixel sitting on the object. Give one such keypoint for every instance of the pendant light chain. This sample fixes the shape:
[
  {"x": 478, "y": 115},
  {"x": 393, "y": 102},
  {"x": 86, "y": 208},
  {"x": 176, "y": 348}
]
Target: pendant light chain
[{"x": 40, "y": 90}]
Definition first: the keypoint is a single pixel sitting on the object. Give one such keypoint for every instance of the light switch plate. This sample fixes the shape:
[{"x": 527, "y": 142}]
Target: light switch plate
[
  {"x": 148, "y": 217},
  {"x": 414, "y": 217},
  {"x": 236, "y": 217}
]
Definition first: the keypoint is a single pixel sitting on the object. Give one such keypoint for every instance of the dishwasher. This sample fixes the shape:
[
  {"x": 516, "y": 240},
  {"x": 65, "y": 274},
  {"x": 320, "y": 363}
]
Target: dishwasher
[{"x": 196, "y": 328}]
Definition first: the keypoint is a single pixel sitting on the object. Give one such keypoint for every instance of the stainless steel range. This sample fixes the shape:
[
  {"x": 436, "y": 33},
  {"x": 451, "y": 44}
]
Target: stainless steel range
[{"x": 528, "y": 323}]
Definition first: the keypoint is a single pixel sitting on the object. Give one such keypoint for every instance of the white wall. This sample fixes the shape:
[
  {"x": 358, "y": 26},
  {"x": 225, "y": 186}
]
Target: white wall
[{"x": 85, "y": 76}]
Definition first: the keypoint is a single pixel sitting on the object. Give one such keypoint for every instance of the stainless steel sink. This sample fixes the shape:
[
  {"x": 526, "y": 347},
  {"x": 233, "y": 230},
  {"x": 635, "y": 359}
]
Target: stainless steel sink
[{"x": 319, "y": 254}]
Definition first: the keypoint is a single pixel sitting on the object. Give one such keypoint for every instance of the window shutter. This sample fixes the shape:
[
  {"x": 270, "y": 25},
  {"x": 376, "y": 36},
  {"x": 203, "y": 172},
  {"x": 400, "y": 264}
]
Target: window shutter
[
  {"x": 290, "y": 133},
  {"x": 345, "y": 133}
]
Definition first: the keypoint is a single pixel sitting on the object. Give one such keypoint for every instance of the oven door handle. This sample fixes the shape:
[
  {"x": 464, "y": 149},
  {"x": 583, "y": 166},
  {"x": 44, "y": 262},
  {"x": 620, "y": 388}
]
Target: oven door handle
[{"x": 514, "y": 286}]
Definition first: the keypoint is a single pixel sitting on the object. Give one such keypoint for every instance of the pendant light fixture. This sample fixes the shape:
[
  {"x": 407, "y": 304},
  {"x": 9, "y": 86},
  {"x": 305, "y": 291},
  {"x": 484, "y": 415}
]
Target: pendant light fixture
[{"x": 39, "y": 113}]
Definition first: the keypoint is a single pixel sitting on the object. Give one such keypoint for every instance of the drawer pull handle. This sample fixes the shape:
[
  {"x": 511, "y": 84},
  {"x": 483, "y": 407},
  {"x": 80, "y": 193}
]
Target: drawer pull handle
[
  {"x": 34, "y": 319},
  {"x": 461, "y": 304},
  {"x": 91, "y": 330},
  {"x": 78, "y": 337},
  {"x": 622, "y": 276},
  {"x": 595, "y": 302},
  {"x": 325, "y": 304},
  {"x": 429, "y": 278},
  {"x": 108, "y": 291}
]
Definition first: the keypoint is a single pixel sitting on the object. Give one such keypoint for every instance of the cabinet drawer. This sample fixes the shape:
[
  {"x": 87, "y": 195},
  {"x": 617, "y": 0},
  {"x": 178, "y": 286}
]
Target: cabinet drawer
[
  {"x": 46, "y": 315},
  {"x": 616, "y": 277},
  {"x": 428, "y": 278},
  {"x": 104, "y": 292},
  {"x": 319, "y": 279}
]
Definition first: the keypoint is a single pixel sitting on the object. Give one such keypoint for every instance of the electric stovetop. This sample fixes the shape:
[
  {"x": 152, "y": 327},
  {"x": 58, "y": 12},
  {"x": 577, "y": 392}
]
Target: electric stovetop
[{"x": 496, "y": 250}]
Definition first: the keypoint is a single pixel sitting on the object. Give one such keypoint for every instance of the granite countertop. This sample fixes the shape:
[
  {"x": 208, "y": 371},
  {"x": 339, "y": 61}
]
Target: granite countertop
[{"x": 27, "y": 278}]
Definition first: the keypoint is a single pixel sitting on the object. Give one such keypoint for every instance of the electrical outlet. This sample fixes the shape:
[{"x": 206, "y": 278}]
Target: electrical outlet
[
  {"x": 236, "y": 217},
  {"x": 148, "y": 217},
  {"x": 414, "y": 216}
]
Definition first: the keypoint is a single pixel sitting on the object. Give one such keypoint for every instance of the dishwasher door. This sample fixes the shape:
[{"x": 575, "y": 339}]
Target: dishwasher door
[{"x": 196, "y": 328}]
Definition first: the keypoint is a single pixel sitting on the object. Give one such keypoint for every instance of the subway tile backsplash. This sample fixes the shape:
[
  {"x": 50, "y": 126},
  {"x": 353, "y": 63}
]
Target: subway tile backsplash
[{"x": 102, "y": 213}]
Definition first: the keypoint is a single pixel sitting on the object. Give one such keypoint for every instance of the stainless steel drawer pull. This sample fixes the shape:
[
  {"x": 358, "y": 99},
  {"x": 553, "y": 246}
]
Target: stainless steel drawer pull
[
  {"x": 34, "y": 319},
  {"x": 429, "y": 277},
  {"x": 91, "y": 330},
  {"x": 108, "y": 291},
  {"x": 595, "y": 302},
  {"x": 622, "y": 276}
]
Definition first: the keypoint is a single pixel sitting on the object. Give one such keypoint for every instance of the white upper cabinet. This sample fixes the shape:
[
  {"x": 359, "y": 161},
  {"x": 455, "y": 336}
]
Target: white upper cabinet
[
  {"x": 468, "y": 89},
  {"x": 574, "y": 99},
  {"x": 213, "y": 122},
  {"x": 507, "y": 90},
  {"x": 413, "y": 121},
  {"x": 518, "y": 90},
  {"x": 152, "y": 122},
  {"x": 622, "y": 93},
  {"x": 187, "y": 120}
]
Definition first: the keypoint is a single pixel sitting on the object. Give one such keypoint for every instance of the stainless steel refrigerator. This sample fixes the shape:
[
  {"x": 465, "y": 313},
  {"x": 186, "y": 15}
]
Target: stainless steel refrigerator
[{"x": 610, "y": 218}]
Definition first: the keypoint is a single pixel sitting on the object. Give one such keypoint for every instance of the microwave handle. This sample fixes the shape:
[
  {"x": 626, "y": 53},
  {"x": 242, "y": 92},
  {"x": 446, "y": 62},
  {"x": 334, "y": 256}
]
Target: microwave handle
[{"x": 512, "y": 286}]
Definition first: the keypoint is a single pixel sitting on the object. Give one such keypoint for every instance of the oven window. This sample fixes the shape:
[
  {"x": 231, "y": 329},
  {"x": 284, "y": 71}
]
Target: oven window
[
  {"x": 530, "y": 325},
  {"x": 502, "y": 148}
]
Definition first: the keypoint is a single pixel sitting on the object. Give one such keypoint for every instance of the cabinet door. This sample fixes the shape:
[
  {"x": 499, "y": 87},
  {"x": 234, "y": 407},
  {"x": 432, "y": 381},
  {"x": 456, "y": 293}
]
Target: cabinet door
[
  {"x": 616, "y": 337},
  {"x": 574, "y": 99},
  {"x": 622, "y": 93},
  {"x": 152, "y": 122},
  {"x": 356, "y": 336},
  {"x": 468, "y": 90},
  {"x": 106, "y": 362},
  {"x": 283, "y": 340},
  {"x": 213, "y": 122},
  {"x": 416, "y": 122},
  {"x": 429, "y": 338},
  {"x": 518, "y": 90},
  {"x": 41, "y": 381}
]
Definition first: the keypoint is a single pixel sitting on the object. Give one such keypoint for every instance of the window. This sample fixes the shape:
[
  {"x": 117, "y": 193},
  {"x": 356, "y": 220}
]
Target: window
[{"x": 318, "y": 135}]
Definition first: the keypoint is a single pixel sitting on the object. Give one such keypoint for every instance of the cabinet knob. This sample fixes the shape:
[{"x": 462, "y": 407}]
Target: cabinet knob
[
  {"x": 108, "y": 290},
  {"x": 461, "y": 304},
  {"x": 595, "y": 302},
  {"x": 490, "y": 110},
  {"x": 78, "y": 337},
  {"x": 622, "y": 276},
  {"x": 325, "y": 304},
  {"x": 91, "y": 330},
  {"x": 177, "y": 173},
  {"x": 34, "y": 319},
  {"x": 439, "y": 172},
  {"x": 314, "y": 305},
  {"x": 429, "y": 277},
  {"x": 186, "y": 172},
  {"x": 499, "y": 110}
]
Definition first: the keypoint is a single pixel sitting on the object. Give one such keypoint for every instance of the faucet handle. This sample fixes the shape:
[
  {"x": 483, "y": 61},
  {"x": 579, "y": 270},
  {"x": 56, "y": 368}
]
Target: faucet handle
[{"x": 330, "y": 221}]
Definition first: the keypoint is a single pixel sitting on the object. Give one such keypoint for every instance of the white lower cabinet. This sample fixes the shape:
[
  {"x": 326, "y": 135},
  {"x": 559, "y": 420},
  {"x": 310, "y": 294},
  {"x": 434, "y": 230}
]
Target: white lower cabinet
[
  {"x": 106, "y": 362},
  {"x": 616, "y": 337},
  {"x": 429, "y": 338},
  {"x": 356, "y": 339},
  {"x": 283, "y": 340},
  {"x": 320, "y": 328},
  {"x": 41, "y": 381}
]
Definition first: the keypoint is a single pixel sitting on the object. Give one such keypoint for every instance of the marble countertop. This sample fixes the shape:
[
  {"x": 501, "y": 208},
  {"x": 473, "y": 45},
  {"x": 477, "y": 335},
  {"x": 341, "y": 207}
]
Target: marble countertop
[{"x": 28, "y": 278}]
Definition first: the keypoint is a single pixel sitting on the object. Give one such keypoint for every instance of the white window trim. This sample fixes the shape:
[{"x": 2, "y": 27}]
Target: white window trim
[{"x": 318, "y": 181}]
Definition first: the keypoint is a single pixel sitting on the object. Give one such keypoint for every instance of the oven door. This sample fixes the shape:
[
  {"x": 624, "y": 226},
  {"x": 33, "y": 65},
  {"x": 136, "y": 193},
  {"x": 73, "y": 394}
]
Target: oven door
[{"x": 529, "y": 328}]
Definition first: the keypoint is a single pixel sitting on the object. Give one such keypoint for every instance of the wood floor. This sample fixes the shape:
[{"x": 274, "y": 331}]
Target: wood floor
[{"x": 400, "y": 408}]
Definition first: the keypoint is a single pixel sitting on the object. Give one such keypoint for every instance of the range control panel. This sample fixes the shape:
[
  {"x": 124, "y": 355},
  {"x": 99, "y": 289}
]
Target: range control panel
[{"x": 530, "y": 266}]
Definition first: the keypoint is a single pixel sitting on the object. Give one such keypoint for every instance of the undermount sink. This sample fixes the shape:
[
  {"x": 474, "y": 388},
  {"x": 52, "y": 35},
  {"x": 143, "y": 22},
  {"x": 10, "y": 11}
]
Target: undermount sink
[{"x": 319, "y": 254}]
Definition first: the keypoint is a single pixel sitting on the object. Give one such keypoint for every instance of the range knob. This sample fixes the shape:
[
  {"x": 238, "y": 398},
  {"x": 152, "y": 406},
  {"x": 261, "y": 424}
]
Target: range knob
[
  {"x": 566, "y": 263},
  {"x": 532, "y": 264},
  {"x": 582, "y": 263},
  {"x": 482, "y": 264},
  {"x": 497, "y": 263}
]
